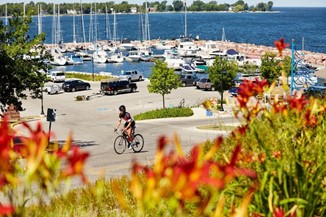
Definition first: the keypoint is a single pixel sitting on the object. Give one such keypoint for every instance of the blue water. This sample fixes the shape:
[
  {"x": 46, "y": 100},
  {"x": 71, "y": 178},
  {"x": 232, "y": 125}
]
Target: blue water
[{"x": 254, "y": 28}]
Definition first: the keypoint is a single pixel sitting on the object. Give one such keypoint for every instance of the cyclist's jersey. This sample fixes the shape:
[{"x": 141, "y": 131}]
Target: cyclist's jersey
[{"x": 127, "y": 117}]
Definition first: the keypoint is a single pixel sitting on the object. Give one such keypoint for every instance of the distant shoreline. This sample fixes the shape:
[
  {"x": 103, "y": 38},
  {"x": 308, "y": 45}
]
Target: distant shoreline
[{"x": 168, "y": 12}]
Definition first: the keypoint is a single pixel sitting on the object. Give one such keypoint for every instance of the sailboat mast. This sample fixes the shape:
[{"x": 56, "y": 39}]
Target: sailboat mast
[
  {"x": 145, "y": 32},
  {"x": 6, "y": 16},
  {"x": 114, "y": 29},
  {"x": 91, "y": 24},
  {"x": 106, "y": 23},
  {"x": 185, "y": 5},
  {"x": 39, "y": 19},
  {"x": 73, "y": 26},
  {"x": 59, "y": 40},
  {"x": 147, "y": 24},
  {"x": 223, "y": 35},
  {"x": 82, "y": 19},
  {"x": 95, "y": 21},
  {"x": 54, "y": 26}
]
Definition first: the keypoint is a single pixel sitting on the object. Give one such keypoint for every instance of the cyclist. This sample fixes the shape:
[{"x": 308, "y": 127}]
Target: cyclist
[{"x": 129, "y": 124}]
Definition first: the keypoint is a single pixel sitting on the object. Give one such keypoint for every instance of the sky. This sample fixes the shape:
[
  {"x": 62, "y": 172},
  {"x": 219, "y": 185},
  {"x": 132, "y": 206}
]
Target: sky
[{"x": 277, "y": 3}]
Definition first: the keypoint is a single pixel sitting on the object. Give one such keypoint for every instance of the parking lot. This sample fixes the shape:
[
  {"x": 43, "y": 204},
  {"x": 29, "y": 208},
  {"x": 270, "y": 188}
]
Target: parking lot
[{"x": 92, "y": 122}]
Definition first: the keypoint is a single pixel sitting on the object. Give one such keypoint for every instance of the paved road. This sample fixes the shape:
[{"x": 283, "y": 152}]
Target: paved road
[{"x": 92, "y": 123}]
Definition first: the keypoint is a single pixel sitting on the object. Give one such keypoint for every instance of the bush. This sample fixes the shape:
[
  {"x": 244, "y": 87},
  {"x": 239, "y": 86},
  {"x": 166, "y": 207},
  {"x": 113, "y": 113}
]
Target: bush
[{"x": 165, "y": 113}]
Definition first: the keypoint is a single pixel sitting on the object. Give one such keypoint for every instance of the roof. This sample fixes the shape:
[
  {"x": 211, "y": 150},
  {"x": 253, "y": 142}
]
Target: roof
[{"x": 231, "y": 52}]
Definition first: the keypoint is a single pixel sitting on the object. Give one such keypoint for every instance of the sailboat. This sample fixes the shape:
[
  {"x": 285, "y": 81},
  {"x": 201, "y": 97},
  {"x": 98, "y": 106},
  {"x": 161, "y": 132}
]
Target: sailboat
[
  {"x": 116, "y": 56},
  {"x": 56, "y": 52}
]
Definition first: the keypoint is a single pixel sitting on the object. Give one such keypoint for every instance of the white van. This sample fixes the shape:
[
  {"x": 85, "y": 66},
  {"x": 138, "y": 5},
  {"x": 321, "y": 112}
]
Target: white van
[{"x": 57, "y": 76}]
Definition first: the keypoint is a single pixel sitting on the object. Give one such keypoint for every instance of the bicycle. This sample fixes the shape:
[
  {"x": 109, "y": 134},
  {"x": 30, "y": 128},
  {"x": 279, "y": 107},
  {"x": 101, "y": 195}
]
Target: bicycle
[{"x": 121, "y": 142}]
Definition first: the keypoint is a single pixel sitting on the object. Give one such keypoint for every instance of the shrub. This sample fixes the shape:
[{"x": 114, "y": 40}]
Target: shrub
[{"x": 165, "y": 113}]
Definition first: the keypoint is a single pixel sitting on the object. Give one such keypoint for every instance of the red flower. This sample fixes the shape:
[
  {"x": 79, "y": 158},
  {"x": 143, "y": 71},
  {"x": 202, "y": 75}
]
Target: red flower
[
  {"x": 76, "y": 162},
  {"x": 279, "y": 107},
  {"x": 297, "y": 103},
  {"x": 280, "y": 45},
  {"x": 278, "y": 212},
  {"x": 6, "y": 210}
]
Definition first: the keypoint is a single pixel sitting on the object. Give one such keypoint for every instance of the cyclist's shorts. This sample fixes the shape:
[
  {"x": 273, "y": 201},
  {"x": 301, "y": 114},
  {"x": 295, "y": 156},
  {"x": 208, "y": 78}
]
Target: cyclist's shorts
[{"x": 133, "y": 123}]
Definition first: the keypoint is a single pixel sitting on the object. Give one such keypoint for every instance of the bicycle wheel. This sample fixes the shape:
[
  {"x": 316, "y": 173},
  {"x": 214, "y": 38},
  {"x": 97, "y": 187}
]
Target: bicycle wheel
[
  {"x": 120, "y": 144},
  {"x": 138, "y": 143}
]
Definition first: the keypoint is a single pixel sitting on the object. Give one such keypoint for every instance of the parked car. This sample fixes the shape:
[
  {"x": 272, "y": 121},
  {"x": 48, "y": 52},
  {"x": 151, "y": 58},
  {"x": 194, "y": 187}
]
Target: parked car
[
  {"x": 131, "y": 75},
  {"x": 233, "y": 91},
  {"x": 205, "y": 84},
  {"x": 75, "y": 84},
  {"x": 57, "y": 76},
  {"x": 188, "y": 80},
  {"x": 315, "y": 91},
  {"x": 115, "y": 87}
]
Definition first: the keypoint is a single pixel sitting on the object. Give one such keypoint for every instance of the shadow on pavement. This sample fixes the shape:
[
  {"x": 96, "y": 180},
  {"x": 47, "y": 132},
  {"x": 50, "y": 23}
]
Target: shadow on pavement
[{"x": 78, "y": 143}]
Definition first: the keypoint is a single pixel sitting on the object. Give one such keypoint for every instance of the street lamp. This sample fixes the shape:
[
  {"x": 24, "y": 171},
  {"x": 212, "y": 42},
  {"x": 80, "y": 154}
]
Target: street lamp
[
  {"x": 42, "y": 107},
  {"x": 93, "y": 68},
  {"x": 221, "y": 92}
]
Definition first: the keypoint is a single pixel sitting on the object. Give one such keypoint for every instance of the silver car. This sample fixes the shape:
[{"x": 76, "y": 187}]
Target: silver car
[{"x": 205, "y": 84}]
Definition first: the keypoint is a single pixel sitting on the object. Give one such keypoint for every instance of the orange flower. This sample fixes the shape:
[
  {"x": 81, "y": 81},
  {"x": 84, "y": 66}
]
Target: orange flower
[
  {"x": 277, "y": 154},
  {"x": 280, "y": 45},
  {"x": 262, "y": 157},
  {"x": 310, "y": 120}
]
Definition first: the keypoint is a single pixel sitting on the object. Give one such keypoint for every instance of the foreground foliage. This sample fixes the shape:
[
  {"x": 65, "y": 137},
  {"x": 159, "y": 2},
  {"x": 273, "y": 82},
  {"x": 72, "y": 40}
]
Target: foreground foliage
[{"x": 29, "y": 173}]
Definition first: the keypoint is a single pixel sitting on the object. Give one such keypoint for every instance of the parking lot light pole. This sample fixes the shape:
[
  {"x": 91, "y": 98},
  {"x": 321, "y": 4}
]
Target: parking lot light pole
[
  {"x": 93, "y": 67},
  {"x": 222, "y": 73},
  {"x": 42, "y": 107}
]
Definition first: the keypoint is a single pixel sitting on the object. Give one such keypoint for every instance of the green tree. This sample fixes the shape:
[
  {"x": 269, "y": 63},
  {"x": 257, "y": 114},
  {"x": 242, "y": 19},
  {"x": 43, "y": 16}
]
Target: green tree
[
  {"x": 18, "y": 72},
  {"x": 238, "y": 8},
  {"x": 222, "y": 74},
  {"x": 163, "y": 80},
  {"x": 177, "y": 5},
  {"x": 249, "y": 68},
  {"x": 269, "y": 5},
  {"x": 261, "y": 6},
  {"x": 270, "y": 67}
]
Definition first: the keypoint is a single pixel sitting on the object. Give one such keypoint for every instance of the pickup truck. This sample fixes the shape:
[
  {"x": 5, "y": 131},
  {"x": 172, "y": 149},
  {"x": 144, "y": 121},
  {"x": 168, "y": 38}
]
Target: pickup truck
[
  {"x": 131, "y": 75},
  {"x": 188, "y": 80},
  {"x": 115, "y": 87}
]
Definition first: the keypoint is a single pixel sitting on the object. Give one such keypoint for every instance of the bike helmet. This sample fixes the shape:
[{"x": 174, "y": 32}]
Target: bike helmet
[{"x": 122, "y": 108}]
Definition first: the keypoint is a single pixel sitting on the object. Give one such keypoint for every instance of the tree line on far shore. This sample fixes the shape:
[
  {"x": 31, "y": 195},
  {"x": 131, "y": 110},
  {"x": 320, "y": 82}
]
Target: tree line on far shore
[{"x": 125, "y": 7}]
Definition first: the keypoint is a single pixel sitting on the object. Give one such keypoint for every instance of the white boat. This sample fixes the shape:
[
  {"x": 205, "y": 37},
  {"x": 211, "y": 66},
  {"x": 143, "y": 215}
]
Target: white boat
[
  {"x": 133, "y": 56},
  {"x": 100, "y": 56},
  {"x": 187, "y": 49},
  {"x": 57, "y": 58},
  {"x": 145, "y": 54},
  {"x": 207, "y": 50},
  {"x": 116, "y": 57},
  {"x": 173, "y": 60},
  {"x": 188, "y": 69},
  {"x": 76, "y": 60},
  {"x": 126, "y": 46},
  {"x": 161, "y": 45}
]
